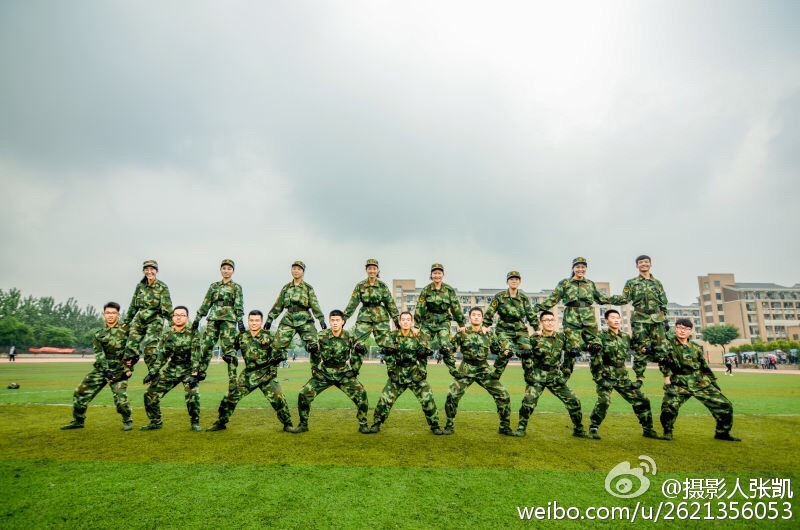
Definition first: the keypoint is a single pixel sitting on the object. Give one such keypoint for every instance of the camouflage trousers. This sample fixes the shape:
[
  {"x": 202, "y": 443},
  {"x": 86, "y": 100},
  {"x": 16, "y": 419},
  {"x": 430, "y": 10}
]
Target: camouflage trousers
[
  {"x": 351, "y": 386},
  {"x": 646, "y": 335},
  {"x": 271, "y": 390},
  {"x": 439, "y": 336},
  {"x": 393, "y": 390},
  {"x": 91, "y": 385},
  {"x": 169, "y": 378},
  {"x": 145, "y": 335},
  {"x": 223, "y": 332},
  {"x": 460, "y": 385},
  {"x": 519, "y": 340},
  {"x": 631, "y": 394},
  {"x": 580, "y": 339},
  {"x": 716, "y": 403},
  {"x": 380, "y": 330},
  {"x": 286, "y": 332},
  {"x": 558, "y": 387}
]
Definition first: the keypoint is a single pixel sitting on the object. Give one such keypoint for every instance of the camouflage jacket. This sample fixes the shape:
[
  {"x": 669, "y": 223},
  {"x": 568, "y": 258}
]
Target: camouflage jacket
[
  {"x": 296, "y": 300},
  {"x": 435, "y": 307},
  {"x": 685, "y": 364},
  {"x": 109, "y": 347},
  {"x": 404, "y": 365},
  {"x": 545, "y": 363},
  {"x": 648, "y": 299},
  {"x": 259, "y": 358},
  {"x": 512, "y": 311},
  {"x": 180, "y": 348},
  {"x": 377, "y": 303},
  {"x": 224, "y": 301},
  {"x": 579, "y": 297},
  {"x": 149, "y": 303},
  {"x": 336, "y": 355},
  {"x": 475, "y": 347},
  {"x": 610, "y": 362}
]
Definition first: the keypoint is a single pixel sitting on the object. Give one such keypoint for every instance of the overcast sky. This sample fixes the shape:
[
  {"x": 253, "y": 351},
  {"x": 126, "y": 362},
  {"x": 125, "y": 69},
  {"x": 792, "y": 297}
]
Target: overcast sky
[{"x": 488, "y": 136}]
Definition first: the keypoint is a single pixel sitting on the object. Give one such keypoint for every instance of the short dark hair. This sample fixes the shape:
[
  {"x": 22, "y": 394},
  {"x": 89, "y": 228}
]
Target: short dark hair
[
  {"x": 181, "y": 307},
  {"x": 685, "y": 322},
  {"x": 543, "y": 313},
  {"x": 609, "y": 312},
  {"x": 643, "y": 256},
  {"x": 112, "y": 305},
  {"x": 406, "y": 313},
  {"x": 336, "y": 313},
  {"x": 256, "y": 312},
  {"x": 475, "y": 308}
]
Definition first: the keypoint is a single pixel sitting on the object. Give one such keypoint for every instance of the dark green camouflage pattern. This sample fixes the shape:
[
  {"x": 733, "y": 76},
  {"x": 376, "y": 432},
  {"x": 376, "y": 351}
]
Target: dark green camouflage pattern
[
  {"x": 436, "y": 308},
  {"x": 377, "y": 309},
  {"x": 512, "y": 312},
  {"x": 297, "y": 300},
  {"x": 223, "y": 301},
  {"x": 649, "y": 302},
  {"x": 690, "y": 376},
  {"x": 179, "y": 357},
  {"x": 151, "y": 304}
]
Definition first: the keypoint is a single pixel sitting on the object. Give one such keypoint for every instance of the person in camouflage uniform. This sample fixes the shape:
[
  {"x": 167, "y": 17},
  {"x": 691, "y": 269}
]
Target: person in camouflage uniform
[
  {"x": 377, "y": 308},
  {"x": 688, "y": 375},
  {"x": 542, "y": 370},
  {"x": 609, "y": 374},
  {"x": 110, "y": 368},
  {"x": 150, "y": 306},
  {"x": 261, "y": 372},
  {"x": 296, "y": 297},
  {"x": 436, "y": 307},
  {"x": 579, "y": 295},
  {"x": 335, "y": 362},
  {"x": 407, "y": 367},
  {"x": 178, "y": 362},
  {"x": 513, "y": 308},
  {"x": 224, "y": 301},
  {"x": 649, "y": 320},
  {"x": 475, "y": 344}
]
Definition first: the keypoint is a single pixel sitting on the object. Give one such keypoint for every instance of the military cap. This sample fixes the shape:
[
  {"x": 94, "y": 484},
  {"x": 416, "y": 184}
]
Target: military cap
[
  {"x": 436, "y": 266},
  {"x": 300, "y": 264},
  {"x": 578, "y": 261},
  {"x": 513, "y": 274},
  {"x": 371, "y": 262},
  {"x": 227, "y": 262},
  {"x": 150, "y": 263}
]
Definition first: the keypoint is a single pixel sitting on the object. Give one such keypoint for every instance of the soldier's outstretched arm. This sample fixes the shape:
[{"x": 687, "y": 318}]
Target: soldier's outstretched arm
[
  {"x": 455, "y": 310},
  {"x": 206, "y": 305},
  {"x": 488, "y": 315},
  {"x": 530, "y": 314},
  {"x": 166, "y": 303},
  {"x": 277, "y": 309},
  {"x": 391, "y": 307},
  {"x": 551, "y": 300},
  {"x": 352, "y": 305},
  {"x": 315, "y": 307},
  {"x": 420, "y": 311},
  {"x": 238, "y": 302},
  {"x": 132, "y": 308}
]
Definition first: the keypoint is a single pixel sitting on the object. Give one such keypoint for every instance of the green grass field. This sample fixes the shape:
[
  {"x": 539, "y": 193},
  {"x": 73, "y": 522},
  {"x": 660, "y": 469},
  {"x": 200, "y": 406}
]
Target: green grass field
[{"x": 255, "y": 475}]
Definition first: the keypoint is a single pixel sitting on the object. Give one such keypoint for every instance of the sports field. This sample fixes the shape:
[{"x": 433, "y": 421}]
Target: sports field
[{"x": 254, "y": 475}]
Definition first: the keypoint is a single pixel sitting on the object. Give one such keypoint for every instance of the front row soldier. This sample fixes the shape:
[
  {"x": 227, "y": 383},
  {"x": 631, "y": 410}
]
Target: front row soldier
[
  {"x": 110, "y": 367},
  {"x": 407, "y": 368},
  {"x": 335, "y": 361},
  {"x": 579, "y": 295},
  {"x": 514, "y": 308},
  {"x": 178, "y": 362},
  {"x": 261, "y": 372},
  {"x": 297, "y": 298},
  {"x": 542, "y": 370},
  {"x": 688, "y": 375},
  {"x": 475, "y": 344},
  {"x": 224, "y": 306},
  {"x": 610, "y": 373}
]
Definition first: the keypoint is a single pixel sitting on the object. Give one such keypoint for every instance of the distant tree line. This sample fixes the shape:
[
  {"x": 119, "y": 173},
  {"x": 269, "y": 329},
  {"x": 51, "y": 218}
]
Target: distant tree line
[
  {"x": 30, "y": 321},
  {"x": 783, "y": 345}
]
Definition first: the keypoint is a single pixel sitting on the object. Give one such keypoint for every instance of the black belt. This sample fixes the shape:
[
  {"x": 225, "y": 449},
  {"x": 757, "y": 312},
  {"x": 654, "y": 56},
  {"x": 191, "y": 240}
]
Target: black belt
[
  {"x": 647, "y": 311},
  {"x": 334, "y": 364},
  {"x": 223, "y": 304},
  {"x": 578, "y": 304},
  {"x": 297, "y": 309},
  {"x": 405, "y": 362}
]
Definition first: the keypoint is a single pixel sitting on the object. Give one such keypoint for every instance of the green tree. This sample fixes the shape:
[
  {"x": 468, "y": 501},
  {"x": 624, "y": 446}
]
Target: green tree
[
  {"x": 720, "y": 335},
  {"x": 13, "y": 331},
  {"x": 57, "y": 336}
]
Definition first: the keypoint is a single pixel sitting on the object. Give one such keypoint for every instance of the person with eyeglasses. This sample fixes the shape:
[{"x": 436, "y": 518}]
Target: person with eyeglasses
[
  {"x": 542, "y": 371},
  {"x": 688, "y": 375},
  {"x": 111, "y": 367},
  {"x": 179, "y": 362},
  {"x": 224, "y": 306}
]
